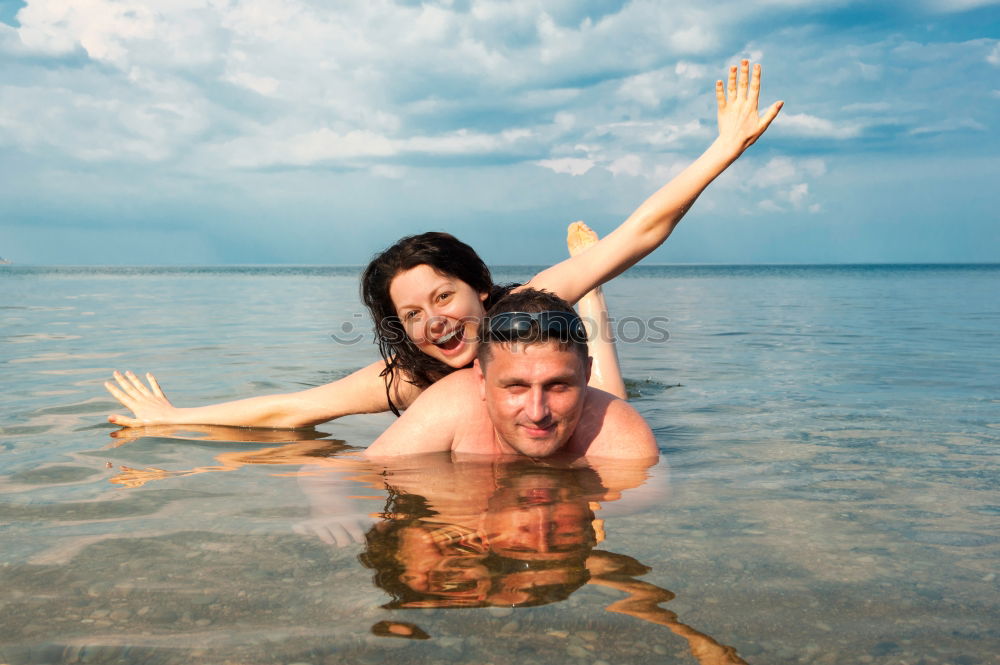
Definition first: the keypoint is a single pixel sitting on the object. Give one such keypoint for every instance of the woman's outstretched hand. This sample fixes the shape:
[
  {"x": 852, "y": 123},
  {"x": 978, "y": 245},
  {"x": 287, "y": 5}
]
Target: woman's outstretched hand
[
  {"x": 148, "y": 404},
  {"x": 739, "y": 122}
]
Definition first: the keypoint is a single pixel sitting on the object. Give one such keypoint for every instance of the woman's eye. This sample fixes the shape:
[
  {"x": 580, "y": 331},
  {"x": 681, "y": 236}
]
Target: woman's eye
[
  {"x": 444, "y": 296},
  {"x": 411, "y": 315}
]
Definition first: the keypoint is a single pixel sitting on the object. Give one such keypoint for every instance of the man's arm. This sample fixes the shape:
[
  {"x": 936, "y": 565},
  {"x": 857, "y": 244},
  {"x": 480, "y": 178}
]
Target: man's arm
[{"x": 431, "y": 422}]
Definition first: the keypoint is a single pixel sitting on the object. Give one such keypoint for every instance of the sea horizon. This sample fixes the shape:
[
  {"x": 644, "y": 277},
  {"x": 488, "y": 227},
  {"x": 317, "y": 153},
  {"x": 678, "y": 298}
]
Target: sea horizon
[{"x": 644, "y": 265}]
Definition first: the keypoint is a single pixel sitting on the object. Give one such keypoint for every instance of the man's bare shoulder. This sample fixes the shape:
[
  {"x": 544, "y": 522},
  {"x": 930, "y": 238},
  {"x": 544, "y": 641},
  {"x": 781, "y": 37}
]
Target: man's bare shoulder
[
  {"x": 434, "y": 420},
  {"x": 611, "y": 427},
  {"x": 460, "y": 382}
]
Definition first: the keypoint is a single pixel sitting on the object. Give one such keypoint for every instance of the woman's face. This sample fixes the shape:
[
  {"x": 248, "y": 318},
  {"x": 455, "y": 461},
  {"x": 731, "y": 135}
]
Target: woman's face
[{"x": 440, "y": 313}]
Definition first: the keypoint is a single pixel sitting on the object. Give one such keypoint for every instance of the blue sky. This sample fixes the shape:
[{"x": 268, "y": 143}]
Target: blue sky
[{"x": 290, "y": 131}]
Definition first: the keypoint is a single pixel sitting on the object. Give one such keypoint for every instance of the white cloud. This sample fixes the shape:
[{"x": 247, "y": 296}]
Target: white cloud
[
  {"x": 464, "y": 142},
  {"x": 627, "y": 165},
  {"x": 389, "y": 171},
  {"x": 784, "y": 170},
  {"x": 694, "y": 71},
  {"x": 797, "y": 194},
  {"x": 363, "y": 80},
  {"x": 99, "y": 27},
  {"x": 679, "y": 81},
  {"x": 653, "y": 133},
  {"x": 804, "y": 124},
  {"x": 993, "y": 57},
  {"x": 262, "y": 85},
  {"x": 949, "y": 125},
  {"x": 570, "y": 165},
  {"x": 783, "y": 182},
  {"x": 869, "y": 72},
  {"x": 767, "y": 205},
  {"x": 272, "y": 146},
  {"x": 793, "y": 198},
  {"x": 693, "y": 39}
]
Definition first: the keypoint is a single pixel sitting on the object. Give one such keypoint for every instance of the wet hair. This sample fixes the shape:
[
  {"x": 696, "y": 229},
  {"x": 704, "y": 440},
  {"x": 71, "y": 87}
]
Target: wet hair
[
  {"x": 383, "y": 541},
  {"x": 448, "y": 256},
  {"x": 531, "y": 301}
]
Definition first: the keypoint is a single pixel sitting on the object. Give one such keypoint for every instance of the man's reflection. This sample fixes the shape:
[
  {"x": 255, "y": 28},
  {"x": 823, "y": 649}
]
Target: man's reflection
[
  {"x": 533, "y": 544},
  {"x": 463, "y": 532}
]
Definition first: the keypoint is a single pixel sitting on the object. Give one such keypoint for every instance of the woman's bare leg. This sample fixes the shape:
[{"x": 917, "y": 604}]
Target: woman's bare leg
[{"x": 606, "y": 374}]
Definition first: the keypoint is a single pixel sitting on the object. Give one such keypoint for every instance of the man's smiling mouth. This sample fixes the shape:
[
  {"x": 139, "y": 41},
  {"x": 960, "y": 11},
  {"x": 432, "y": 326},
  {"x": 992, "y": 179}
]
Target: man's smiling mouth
[{"x": 539, "y": 429}]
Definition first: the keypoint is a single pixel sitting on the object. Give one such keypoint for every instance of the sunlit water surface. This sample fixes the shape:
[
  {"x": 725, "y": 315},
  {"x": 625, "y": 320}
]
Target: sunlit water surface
[{"x": 831, "y": 494}]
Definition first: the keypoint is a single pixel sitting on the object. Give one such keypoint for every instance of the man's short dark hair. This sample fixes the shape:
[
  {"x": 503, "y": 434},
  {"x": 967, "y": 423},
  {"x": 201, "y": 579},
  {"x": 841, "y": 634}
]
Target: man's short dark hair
[{"x": 534, "y": 301}]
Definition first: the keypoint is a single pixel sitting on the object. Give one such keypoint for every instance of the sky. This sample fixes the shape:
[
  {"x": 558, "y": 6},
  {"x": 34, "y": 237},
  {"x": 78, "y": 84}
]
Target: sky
[{"x": 137, "y": 132}]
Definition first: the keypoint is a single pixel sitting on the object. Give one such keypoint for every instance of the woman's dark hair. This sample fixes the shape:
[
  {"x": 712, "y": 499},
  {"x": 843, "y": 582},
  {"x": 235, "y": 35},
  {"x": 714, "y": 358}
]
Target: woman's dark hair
[
  {"x": 382, "y": 544},
  {"x": 447, "y": 255}
]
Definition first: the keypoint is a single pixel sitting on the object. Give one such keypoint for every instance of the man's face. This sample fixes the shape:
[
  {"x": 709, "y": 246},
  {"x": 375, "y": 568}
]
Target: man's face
[
  {"x": 537, "y": 517},
  {"x": 534, "y": 395}
]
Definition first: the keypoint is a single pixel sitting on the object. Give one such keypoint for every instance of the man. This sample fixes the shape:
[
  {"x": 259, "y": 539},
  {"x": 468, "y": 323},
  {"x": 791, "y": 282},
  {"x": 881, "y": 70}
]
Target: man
[{"x": 526, "y": 394}]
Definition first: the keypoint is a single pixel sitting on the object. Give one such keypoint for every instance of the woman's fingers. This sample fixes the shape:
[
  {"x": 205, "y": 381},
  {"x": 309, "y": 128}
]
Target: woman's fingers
[
  {"x": 123, "y": 421},
  {"x": 770, "y": 115},
  {"x": 741, "y": 85},
  {"x": 136, "y": 383},
  {"x": 731, "y": 91},
  {"x": 720, "y": 95},
  {"x": 155, "y": 386},
  {"x": 755, "y": 84},
  {"x": 123, "y": 397},
  {"x": 125, "y": 386},
  {"x": 341, "y": 534},
  {"x": 355, "y": 530}
]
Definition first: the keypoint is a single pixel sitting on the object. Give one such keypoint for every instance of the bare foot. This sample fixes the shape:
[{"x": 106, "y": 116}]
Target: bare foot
[{"x": 579, "y": 238}]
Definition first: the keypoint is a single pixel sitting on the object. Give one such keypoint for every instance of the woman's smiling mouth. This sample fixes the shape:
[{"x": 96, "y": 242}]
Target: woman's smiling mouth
[{"x": 452, "y": 340}]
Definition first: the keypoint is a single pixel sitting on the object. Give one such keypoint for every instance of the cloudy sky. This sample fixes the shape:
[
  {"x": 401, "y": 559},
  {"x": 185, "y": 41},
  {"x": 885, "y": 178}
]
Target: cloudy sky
[{"x": 299, "y": 131}]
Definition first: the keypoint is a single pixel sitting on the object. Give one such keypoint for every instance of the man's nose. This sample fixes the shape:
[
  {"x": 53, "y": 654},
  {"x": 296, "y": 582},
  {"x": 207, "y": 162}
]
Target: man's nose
[{"x": 538, "y": 405}]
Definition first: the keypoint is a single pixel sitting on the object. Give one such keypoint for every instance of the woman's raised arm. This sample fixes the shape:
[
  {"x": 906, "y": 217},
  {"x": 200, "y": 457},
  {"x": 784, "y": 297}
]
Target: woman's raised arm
[
  {"x": 740, "y": 125},
  {"x": 361, "y": 392}
]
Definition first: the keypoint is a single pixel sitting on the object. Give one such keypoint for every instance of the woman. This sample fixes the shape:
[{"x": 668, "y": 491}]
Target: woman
[{"x": 426, "y": 306}]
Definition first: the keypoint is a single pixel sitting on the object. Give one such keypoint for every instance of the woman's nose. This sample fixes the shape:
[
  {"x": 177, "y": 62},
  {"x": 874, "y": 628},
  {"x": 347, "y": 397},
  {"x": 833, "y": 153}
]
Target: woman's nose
[{"x": 436, "y": 325}]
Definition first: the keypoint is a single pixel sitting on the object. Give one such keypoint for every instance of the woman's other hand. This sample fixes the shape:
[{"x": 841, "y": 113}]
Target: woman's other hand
[
  {"x": 739, "y": 122},
  {"x": 147, "y": 403}
]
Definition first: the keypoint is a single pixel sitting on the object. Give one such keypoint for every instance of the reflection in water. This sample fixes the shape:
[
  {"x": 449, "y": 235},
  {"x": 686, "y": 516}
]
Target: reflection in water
[
  {"x": 467, "y": 533},
  {"x": 298, "y": 447},
  {"x": 531, "y": 544}
]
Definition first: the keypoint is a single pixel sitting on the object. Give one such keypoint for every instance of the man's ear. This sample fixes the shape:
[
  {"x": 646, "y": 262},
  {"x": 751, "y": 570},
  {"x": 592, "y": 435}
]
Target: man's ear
[
  {"x": 590, "y": 366},
  {"x": 477, "y": 369}
]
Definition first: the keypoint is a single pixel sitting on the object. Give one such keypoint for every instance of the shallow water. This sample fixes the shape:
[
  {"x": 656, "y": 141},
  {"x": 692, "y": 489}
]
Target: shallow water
[{"x": 831, "y": 494}]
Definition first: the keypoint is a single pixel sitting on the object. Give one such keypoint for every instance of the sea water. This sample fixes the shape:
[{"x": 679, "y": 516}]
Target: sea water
[{"x": 827, "y": 491}]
